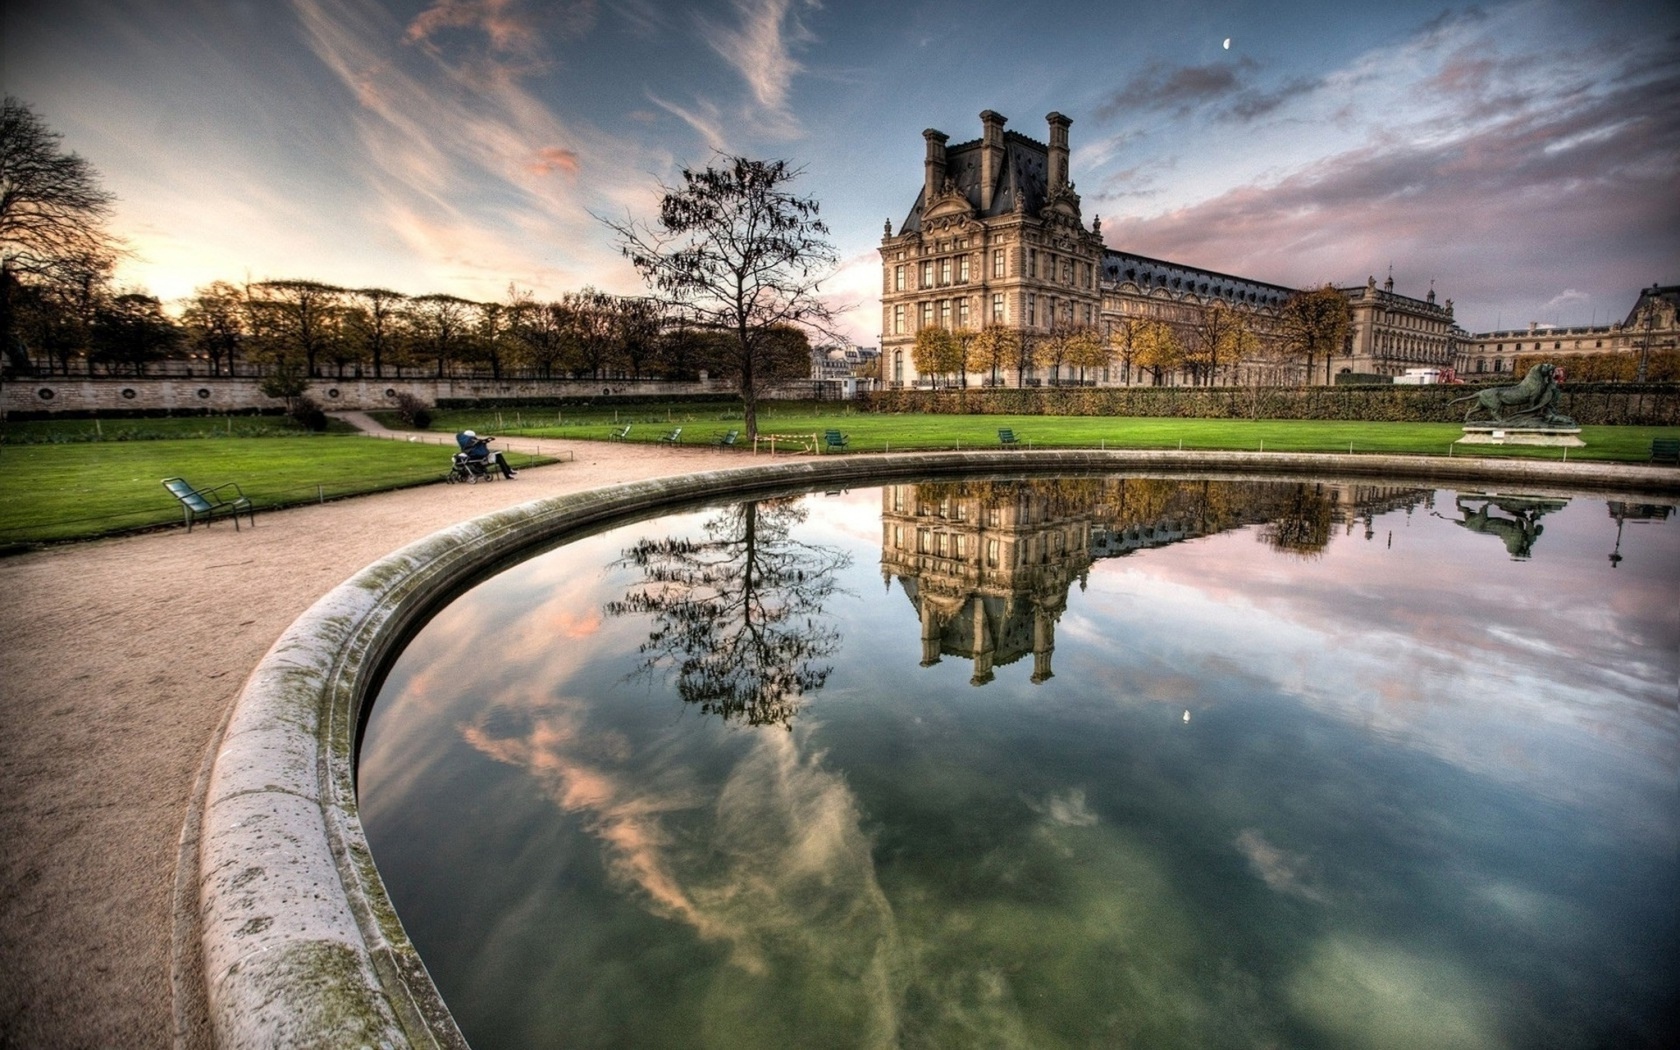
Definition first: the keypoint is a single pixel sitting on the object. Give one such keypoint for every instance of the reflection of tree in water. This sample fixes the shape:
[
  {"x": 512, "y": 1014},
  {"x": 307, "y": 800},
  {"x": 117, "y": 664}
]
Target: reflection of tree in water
[
  {"x": 1300, "y": 523},
  {"x": 738, "y": 615}
]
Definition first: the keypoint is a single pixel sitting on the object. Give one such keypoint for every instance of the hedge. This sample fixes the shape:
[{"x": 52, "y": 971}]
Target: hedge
[{"x": 1592, "y": 404}]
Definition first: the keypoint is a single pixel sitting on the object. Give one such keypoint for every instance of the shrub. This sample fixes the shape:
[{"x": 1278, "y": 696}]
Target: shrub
[
  {"x": 307, "y": 413},
  {"x": 413, "y": 411}
]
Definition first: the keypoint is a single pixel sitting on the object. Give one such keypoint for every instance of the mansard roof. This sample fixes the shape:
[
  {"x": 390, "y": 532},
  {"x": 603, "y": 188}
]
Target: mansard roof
[
  {"x": 1669, "y": 293},
  {"x": 1176, "y": 277},
  {"x": 1024, "y": 176}
]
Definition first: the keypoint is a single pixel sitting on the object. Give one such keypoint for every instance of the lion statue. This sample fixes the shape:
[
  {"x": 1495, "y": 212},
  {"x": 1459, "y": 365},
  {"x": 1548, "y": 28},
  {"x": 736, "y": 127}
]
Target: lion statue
[{"x": 1532, "y": 402}]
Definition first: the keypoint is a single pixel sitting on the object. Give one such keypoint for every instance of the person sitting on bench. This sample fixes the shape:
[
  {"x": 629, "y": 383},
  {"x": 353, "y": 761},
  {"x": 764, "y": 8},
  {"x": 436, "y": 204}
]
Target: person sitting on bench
[{"x": 478, "y": 448}]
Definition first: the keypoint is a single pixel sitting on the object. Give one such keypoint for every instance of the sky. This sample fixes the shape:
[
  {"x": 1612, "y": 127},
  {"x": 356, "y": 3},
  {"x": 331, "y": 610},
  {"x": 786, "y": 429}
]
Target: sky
[{"x": 1521, "y": 158}]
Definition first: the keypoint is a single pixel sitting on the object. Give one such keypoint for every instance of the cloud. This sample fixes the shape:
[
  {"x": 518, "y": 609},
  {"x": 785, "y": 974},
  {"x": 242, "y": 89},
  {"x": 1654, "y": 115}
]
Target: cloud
[
  {"x": 551, "y": 159},
  {"x": 1252, "y": 104},
  {"x": 448, "y": 161},
  {"x": 1567, "y": 297},
  {"x": 760, "y": 48},
  {"x": 1536, "y": 155},
  {"x": 1178, "y": 91},
  {"x": 508, "y": 28}
]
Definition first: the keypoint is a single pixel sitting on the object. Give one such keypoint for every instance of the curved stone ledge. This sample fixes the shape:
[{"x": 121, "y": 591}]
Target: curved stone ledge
[{"x": 301, "y": 946}]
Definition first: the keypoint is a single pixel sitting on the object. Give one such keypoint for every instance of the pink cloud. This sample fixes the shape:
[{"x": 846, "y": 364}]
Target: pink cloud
[{"x": 551, "y": 159}]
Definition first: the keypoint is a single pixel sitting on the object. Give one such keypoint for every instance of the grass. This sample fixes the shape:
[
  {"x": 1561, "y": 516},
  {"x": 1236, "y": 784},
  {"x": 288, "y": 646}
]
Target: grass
[
  {"x": 75, "y": 479},
  {"x": 75, "y": 491},
  {"x": 703, "y": 423},
  {"x": 71, "y": 431}
]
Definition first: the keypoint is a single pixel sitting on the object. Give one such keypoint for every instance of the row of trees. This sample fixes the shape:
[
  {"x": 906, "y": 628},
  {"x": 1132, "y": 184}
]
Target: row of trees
[
  {"x": 318, "y": 329},
  {"x": 1219, "y": 340},
  {"x": 733, "y": 262}
]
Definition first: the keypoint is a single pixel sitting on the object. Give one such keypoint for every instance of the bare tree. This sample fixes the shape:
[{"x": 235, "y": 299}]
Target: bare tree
[
  {"x": 736, "y": 252},
  {"x": 52, "y": 215}
]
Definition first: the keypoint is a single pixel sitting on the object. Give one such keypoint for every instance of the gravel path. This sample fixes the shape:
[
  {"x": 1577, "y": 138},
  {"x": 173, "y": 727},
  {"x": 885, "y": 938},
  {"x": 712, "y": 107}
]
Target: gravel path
[{"x": 118, "y": 661}]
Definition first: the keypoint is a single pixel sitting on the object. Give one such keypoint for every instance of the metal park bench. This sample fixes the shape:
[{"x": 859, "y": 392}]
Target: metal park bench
[
  {"x": 620, "y": 434},
  {"x": 673, "y": 438},
  {"x": 834, "y": 441},
  {"x": 1007, "y": 438},
  {"x": 205, "y": 504},
  {"x": 1665, "y": 450},
  {"x": 727, "y": 440}
]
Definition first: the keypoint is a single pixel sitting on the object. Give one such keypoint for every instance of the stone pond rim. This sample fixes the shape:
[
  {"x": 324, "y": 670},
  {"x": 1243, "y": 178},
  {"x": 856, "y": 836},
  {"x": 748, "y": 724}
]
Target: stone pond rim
[{"x": 300, "y": 944}]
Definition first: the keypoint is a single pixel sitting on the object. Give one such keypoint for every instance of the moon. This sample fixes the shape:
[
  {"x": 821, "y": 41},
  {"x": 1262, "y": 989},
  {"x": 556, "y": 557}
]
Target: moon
[{"x": 1227, "y": 44}]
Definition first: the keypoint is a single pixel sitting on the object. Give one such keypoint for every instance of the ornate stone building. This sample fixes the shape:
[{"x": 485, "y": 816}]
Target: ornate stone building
[
  {"x": 1392, "y": 332},
  {"x": 994, "y": 237},
  {"x": 1651, "y": 325}
]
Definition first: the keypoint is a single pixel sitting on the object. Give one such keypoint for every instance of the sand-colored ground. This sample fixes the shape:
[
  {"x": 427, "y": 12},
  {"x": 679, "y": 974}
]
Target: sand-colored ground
[{"x": 118, "y": 660}]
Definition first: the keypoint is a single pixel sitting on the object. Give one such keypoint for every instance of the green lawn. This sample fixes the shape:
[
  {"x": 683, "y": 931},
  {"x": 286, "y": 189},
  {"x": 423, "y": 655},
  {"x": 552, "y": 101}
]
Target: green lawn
[
  {"x": 73, "y": 491},
  {"x": 63, "y": 431},
  {"x": 703, "y": 423},
  {"x": 62, "y": 485}
]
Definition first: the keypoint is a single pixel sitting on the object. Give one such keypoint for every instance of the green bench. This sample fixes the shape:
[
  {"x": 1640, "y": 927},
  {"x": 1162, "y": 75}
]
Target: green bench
[
  {"x": 727, "y": 440},
  {"x": 1665, "y": 450},
  {"x": 1007, "y": 438},
  {"x": 834, "y": 441},
  {"x": 673, "y": 438},
  {"x": 204, "y": 504},
  {"x": 620, "y": 434}
]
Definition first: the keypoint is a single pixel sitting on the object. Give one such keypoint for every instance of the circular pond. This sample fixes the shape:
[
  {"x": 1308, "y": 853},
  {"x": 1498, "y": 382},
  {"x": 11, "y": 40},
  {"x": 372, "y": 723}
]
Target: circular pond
[{"x": 1043, "y": 763}]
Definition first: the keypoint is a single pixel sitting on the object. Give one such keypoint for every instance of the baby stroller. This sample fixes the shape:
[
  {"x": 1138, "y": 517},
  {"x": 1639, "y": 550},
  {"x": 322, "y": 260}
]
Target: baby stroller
[
  {"x": 471, "y": 471},
  {"x": 464, "y": 466}
]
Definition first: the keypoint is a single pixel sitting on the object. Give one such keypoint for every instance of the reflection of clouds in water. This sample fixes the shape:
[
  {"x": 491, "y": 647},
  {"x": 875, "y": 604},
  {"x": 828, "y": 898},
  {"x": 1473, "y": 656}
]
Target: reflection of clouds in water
[
  {"x": 1283, "y": 871},
  {"x": 1362, "y": 993},
  {"x": 1067, "y": 809},
  {"x": 784, "y": 876},
  {"x": 1510, "y": 678}
]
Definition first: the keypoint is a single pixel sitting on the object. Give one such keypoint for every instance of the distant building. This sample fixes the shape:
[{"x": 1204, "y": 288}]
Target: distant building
[
  {"x": 1393, "y": 334},
  {"x": 1650, "y": 326}
]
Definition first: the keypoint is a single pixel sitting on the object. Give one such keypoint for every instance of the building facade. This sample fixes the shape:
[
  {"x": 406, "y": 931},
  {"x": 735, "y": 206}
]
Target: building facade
[
  {"x": 1650, "y": 326},
  {"x": 1391, "y": 333},
  {"x": 995, "y": 236}
]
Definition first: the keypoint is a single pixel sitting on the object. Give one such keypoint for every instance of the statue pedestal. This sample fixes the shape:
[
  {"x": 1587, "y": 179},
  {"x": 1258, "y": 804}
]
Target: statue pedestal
[{"x": 1491, "y": 434}]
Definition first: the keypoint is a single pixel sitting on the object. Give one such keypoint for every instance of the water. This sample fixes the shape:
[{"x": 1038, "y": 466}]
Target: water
[{"x": 1053, "y": 764}]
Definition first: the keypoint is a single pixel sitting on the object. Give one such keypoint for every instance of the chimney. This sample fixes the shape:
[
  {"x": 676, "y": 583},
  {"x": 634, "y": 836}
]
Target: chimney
[
  {"x": 1058, "y": 151},
  {"x": 991, "y": 156},
  {"x": 935, "y": 165}
]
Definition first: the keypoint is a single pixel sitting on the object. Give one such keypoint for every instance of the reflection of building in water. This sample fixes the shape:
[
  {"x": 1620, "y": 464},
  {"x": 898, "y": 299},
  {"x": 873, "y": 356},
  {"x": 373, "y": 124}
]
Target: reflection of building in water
[
  {"x": 987, "y": 568},
  {"x": 988, "y": 565},
  {"x": 1362, "y": 504}
]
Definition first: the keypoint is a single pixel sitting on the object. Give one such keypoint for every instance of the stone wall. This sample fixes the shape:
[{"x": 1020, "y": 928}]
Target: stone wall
[{"x": 84, "y": 395}]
